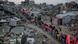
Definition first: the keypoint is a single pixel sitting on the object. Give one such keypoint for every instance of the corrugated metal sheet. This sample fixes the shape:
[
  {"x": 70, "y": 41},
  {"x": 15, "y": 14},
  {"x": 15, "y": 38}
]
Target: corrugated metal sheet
[
  {"x": 66, "y": 14},
  {"x": 67, "y": 19}
]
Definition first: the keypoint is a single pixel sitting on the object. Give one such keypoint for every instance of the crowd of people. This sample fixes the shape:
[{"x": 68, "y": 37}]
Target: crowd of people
[
  {"x": 63, "y": 38},
  {"x": 51, "y": 29}
]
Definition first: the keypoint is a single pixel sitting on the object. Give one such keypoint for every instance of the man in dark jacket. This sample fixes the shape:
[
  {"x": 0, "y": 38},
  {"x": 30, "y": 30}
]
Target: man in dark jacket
[{"x": 24, "y": 39}]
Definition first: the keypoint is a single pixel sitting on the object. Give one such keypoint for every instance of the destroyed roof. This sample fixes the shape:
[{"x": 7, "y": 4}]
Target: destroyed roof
[
  {"x": 7, "y": 8},
  {"x": 65, "y": 14}
]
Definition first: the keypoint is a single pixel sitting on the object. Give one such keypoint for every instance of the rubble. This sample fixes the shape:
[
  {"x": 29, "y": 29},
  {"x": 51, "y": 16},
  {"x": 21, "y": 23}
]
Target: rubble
[{"x": 58, "y": 21}]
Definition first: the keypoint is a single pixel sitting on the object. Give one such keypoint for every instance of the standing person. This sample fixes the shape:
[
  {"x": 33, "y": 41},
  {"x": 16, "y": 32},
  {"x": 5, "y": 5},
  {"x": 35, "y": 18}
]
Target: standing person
[
  {"x": 73, "y": 40},
  {"x": 63, "y": 38},
  {"x": 39, "y": 20},
  {"x": 44, "y": 42},
  {"x": 51, "y": 20},
  {"x": 67, "y": 39},
  {"x": 77, "y": 40},
  {"x": 24, "y": 39},
  {"x": 56, "y": 33},
  {"x": 12, "y": 24},
  {"x": 36, "y": 20}
]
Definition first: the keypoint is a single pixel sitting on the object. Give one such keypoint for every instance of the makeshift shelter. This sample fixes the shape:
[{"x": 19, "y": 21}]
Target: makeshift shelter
[{"x": 65, "y": 18}]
